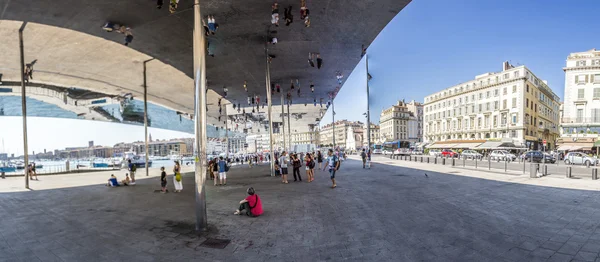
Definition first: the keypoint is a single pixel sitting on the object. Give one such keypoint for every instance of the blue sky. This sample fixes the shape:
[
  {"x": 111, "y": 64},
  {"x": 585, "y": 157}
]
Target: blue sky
[{"x": 435, "y": 44}]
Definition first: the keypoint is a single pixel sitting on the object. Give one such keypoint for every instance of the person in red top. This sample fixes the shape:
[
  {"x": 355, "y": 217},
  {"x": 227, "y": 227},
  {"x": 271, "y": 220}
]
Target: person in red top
[{"x": 251, "y": 205}]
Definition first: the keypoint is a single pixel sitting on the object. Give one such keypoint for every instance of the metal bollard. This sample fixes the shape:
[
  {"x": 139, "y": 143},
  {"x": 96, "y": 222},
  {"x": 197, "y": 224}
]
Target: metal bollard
[
  {"x": 475, "y": 163},
  {"x": 421, "y": 159},
  {"x": 595, "y": 174},
  {"x": 464, "y": 160},
  {"x": 3, "y": 175},
  {"x": 489, "y": 163},
  {"x": 505, "y": 165},
  {"x": 533, "y": 169},
  {"x": 443, "y": 161},
  {"x": 427, "y": 160},
  {"x": 391, "y": 156},
  {"x": 569, "y": 175},
  {"x": 545, "y": 170},
  {"x": 453, "y": 161},
  {"x": 435, "y": 160}
]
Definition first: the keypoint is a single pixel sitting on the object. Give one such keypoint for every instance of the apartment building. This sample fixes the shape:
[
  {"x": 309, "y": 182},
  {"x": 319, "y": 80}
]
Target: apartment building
[
  {"x": 341, "y": 132},
  {"x": 375, "y": 135},
  {"x": 513, "y": 103},
  {"x": 402, "y": 121},
  {"x": 581, "y": 108}
]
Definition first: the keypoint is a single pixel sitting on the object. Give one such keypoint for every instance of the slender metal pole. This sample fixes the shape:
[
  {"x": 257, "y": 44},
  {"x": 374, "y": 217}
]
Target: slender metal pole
[
  {"x": 24, "y": 106},
  {"x": 283, "y": 123},
  {"x": 200, "y": 118},
  {"x": 146, "y": 116},
  {"x": 270, "y": 116},
  {"x": 368, "y": 111},
  {"x": 289, "y": 127},
  {"x": 226, "y": 135},
  {"x": 333, "y": 119}
]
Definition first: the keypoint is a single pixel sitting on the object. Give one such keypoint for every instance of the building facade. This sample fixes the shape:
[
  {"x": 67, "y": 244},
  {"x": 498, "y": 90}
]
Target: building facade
[
  {"x": 581, "y": 108},
  {"x": 375, "y": 135},
  {"x": 341, "y": 132},
  {"x": 393, "y": 122},
  {"x": 513, "y": 103},
  {"x": 415, "y": 124}
]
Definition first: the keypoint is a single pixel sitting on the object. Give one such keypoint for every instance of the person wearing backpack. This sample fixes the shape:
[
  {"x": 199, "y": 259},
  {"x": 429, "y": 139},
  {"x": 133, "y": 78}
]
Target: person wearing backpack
[
  {"x": 177, "y": 181},
  {"x": 363, "y": 155},
  {"x": 223, "y": 168},
  {"x": 132, "y": 168},
  {"x": 310, "y": 165},
  {"x": 333, "y": 163}
]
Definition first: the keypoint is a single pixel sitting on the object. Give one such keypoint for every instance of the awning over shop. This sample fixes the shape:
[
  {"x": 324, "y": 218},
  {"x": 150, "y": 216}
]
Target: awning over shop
[
  {"x": 467, "y": 145},
  {"x": 489, "y": 145},
  {"x": 441, "y": 146},
  {"x": 567, "y": 147}
]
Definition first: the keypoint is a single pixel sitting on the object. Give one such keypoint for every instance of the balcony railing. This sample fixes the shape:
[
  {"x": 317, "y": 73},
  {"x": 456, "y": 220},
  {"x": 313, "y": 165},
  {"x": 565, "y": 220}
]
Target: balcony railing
[{"x": 580, "y": 120}]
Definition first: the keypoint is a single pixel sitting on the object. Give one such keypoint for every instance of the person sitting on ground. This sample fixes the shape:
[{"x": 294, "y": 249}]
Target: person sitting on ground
[
  {"x": 251, "y": 205},
  {"x": 112, "y": 181},
  {"x": 126, "y": 181}
]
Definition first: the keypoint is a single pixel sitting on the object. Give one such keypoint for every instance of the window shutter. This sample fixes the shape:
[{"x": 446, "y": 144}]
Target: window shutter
[
  {"x": 586, "y": 78},
  {"x": 591, "y": 78},
  {"x": 576, "y": 79}
]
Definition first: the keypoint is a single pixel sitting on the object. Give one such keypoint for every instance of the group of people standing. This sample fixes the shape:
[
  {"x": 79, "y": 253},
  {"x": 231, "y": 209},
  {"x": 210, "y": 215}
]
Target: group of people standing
[
  {"x": 217, "y": 168},
  {"x": 310, "y": 162}
]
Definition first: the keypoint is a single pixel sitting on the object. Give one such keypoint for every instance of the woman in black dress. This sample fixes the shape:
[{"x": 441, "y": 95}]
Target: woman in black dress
[{"x": 319, "y": 159}]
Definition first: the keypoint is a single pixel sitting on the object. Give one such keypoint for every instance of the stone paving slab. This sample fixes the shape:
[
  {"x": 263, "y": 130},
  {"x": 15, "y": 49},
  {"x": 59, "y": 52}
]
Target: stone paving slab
[{"x": 387, "y": 213}]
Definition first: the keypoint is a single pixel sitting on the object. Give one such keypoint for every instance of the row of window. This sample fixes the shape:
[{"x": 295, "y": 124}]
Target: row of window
[
  {"x": 584, "y": 62},
  {"x": 489, "y": 81},
  {"x": 581, "y": 93}
]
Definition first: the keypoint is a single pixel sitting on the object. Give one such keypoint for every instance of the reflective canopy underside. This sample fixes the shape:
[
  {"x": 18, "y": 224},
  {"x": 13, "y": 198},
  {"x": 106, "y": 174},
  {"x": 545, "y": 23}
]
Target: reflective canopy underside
[{"x": 66, "y": 38}]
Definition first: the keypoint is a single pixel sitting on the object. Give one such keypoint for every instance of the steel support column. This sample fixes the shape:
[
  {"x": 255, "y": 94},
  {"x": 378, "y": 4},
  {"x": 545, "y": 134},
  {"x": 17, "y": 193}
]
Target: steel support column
[
  {"x": 368, "y": 111},
  {"x": 333, "y": 119},
  {"x": 146, "y": 116},
  {"x": 283, "y": 123},
  {"x": 289, "y": 126},
  {"x": 226, "y": 135},
  {"x": 24, "y": 106},
  {"x": 200, "y": 117},
  {"x": 270, "y": 111}
]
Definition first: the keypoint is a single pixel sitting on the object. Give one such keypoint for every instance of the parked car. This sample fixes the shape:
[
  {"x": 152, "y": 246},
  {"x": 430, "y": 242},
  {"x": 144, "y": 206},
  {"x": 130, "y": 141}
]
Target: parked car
[
  {"x": 386, "y": 152},
  {"x": 502, "y": 155},
  {"x": 434, "y": 152},
  {"x": 579, "y": 158},
  {"x": 449, "y": 153},
  {"x": 416, "y": 152},
  {"x": 471, "y": 154},
  {"x": 538, "y": 156}
]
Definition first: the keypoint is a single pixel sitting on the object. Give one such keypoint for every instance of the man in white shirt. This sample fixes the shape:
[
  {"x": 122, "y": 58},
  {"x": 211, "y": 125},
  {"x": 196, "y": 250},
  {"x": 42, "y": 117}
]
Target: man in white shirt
[{"x": 283, "y": 163}]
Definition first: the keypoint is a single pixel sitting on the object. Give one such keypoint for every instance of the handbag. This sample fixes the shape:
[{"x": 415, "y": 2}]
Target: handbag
[{"x": 178, "y": 177}]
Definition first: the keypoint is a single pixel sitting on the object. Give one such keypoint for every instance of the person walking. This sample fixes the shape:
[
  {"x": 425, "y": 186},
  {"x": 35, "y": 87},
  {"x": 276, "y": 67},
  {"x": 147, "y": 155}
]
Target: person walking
[
  {"x": 283, "y": 163},
  {"x": 333, "y": 163},
  {"x": 163, "y": 180},
  {"x": 132, "y": 168},
  {"x": 310, "y": 165},
  {"x": 177, "y": 181},
  {"x": 222, "y": 172},
  {"x": 297, "y": 164},
  {"x": 363, "y": 155},
  {"x": 319, "y": 158},
  {"x": 215, "y": 170}
]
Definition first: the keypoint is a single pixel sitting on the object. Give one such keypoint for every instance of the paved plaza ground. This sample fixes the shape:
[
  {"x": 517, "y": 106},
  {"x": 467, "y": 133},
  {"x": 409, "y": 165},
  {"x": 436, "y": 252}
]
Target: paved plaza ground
[{"x": 392, "y": 212}]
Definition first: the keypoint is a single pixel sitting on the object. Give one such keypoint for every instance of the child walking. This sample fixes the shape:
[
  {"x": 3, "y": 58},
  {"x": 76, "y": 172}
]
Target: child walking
[{"x": 163, "y": 180}]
